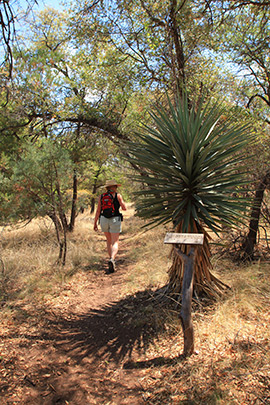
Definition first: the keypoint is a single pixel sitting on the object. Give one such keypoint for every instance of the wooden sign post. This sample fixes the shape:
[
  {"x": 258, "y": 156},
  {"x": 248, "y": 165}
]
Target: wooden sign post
[
  {"x": 184, "y": 238},
  {"x": 193, "y": 239}
]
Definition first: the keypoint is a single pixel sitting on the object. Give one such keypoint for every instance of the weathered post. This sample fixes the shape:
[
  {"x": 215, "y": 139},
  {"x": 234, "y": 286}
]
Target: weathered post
[{"x": 187, "y": 286}]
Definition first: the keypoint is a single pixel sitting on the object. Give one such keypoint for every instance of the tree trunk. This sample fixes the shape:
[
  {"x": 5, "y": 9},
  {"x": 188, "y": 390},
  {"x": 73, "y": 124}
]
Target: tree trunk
[
  {"x": 74, "y": 202},
  {"x": 59, "y": 229},
  {"x": 62, "y": 225},
  {"x": 93, "y": 200},
  {"x": 177, "y": 57},
  {"x": 63, "y": 246},
  {"x": 56, "y": 222},
  {"x": 251, "y": 238}
]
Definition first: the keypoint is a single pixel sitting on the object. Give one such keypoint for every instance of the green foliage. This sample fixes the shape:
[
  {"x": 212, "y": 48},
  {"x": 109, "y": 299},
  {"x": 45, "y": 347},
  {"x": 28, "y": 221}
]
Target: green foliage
[
  {"x": 145, "y": 39},
  {"x": 242, "y": 37},
  {"x": 193, "y": 162},
  {"x": 86, "y": 77},
  {"x": 31, "y": 189}
]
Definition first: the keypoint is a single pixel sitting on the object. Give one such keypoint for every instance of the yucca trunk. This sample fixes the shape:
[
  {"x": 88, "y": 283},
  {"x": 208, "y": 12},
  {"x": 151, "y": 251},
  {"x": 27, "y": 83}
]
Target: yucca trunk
[{"x": 205, "y": 283}]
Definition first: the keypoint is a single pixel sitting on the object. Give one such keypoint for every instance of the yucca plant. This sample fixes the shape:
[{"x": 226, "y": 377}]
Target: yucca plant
[{"x": 193, "y": 172}]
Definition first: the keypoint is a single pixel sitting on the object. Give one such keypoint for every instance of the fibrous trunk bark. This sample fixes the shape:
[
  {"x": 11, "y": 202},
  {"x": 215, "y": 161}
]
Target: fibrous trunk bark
[{"x": 205, "y": 283}]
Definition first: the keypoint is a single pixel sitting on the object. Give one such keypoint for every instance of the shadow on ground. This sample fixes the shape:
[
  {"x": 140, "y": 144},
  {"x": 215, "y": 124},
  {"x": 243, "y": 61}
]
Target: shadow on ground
[
  {"x": 112, "y": 332},
  {"x": 88, "y": 358}
]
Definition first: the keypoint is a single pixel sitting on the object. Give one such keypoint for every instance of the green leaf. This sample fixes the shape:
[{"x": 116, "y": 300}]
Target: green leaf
[{"x": 195, "y": 166}]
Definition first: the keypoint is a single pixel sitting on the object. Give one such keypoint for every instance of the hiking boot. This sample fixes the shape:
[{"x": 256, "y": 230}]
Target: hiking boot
[{"x": 111, "y": 264}]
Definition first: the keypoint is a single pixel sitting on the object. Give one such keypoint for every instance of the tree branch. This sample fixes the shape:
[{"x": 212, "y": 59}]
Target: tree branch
[{"x": 259, "y": 96}]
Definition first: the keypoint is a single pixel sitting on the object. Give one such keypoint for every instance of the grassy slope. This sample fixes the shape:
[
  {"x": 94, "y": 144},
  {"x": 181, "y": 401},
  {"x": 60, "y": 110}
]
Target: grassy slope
[{"x": 231, "y": 365}]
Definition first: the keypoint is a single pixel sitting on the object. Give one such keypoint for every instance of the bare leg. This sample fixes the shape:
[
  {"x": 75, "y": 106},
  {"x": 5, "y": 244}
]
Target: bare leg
[
  {"x": 114, "y": 244},
  {"x": 109, "y": 243}
]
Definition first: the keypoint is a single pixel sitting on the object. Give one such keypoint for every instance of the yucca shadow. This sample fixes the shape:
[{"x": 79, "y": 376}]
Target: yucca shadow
[
  {"x": 112, "y": 332},
  {"x": 155, "y": 362}
]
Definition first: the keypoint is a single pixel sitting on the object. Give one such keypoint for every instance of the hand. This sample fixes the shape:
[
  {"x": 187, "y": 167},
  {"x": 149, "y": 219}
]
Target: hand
[{"x": 95, "y": 227}]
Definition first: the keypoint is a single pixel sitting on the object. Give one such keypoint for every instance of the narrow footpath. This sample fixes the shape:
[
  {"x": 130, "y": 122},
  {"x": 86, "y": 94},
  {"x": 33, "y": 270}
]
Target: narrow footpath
[{"x": 77, "y": 350}]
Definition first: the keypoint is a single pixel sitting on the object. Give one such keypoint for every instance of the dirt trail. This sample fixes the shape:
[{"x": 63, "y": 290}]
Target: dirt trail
[{"x": 76, "y": 351}]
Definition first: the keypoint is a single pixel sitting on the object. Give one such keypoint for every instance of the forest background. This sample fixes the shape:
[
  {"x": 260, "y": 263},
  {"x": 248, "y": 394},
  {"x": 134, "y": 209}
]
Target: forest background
[{"x": 78, "y": 83}]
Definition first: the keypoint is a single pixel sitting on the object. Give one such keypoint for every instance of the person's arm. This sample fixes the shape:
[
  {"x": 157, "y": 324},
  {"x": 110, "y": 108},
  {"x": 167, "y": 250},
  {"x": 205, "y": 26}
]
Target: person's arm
[
  {"x": 97, "y": 215},
  {"x": 121, "y": 202}
]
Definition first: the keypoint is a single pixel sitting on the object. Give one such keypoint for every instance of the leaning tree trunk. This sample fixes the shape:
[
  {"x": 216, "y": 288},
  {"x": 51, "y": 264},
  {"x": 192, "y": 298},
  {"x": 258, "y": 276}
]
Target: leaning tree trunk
[
  {"x": 251, "y": 238},
  {"x": 93, "y": 199},
  {"x": 205, "y": 283},
  {"x": 74, "y": 202},
  {"x": 60, "y": 236},
  {"x": 95, "y": 187},
  {"x": 62, "y": 230}
]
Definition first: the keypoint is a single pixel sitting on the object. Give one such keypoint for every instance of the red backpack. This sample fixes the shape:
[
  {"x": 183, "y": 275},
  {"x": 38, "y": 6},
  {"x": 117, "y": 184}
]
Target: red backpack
[{"x": 107, "y": 205}]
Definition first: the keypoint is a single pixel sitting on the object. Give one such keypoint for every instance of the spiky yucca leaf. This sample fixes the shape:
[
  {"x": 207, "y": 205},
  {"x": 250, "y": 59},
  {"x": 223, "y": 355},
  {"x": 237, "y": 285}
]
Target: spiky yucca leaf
[{"x": 194, "y": 167}]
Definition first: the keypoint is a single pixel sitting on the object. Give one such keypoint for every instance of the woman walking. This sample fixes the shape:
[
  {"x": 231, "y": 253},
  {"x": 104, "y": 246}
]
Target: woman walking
[{"x": 110, "y": 218}]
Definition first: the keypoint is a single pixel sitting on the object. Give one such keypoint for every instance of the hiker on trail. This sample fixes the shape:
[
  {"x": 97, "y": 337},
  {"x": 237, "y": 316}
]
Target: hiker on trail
[{"x": 110, "y": 218}]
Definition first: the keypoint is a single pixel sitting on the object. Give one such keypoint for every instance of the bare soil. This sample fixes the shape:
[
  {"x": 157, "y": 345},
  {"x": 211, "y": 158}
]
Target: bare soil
[
  {"x": 91, "y": 342},
  {"x": 84, "y": 347}
]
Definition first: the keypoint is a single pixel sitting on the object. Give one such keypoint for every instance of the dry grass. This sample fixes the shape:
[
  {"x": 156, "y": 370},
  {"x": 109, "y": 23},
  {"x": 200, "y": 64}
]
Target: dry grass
[
  {"x": 231, "y": 365},
  {"x": 232, "y": 360},
  {"x": 148, "y": 258}
]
